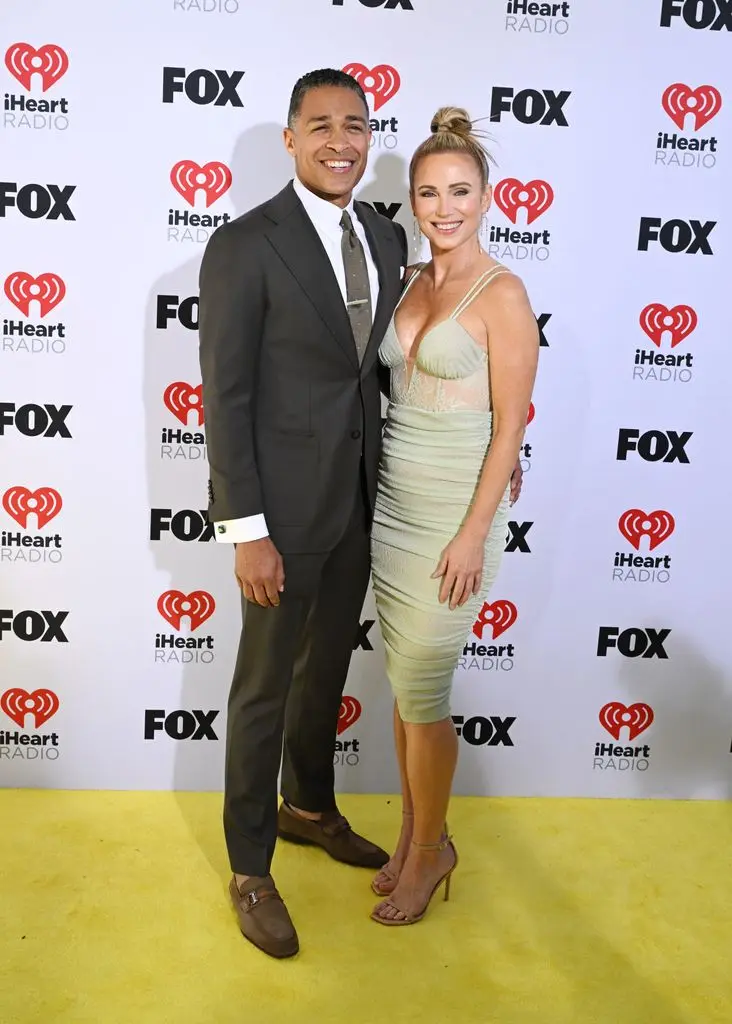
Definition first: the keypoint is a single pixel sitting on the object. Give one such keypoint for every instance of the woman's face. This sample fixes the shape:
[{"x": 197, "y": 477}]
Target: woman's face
[{"x": 449, "y": 199}]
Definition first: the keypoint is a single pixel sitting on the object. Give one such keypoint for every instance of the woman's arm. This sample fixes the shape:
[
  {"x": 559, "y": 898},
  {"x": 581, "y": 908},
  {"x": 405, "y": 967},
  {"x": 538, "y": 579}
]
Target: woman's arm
[{"x": 513, "y": 352}]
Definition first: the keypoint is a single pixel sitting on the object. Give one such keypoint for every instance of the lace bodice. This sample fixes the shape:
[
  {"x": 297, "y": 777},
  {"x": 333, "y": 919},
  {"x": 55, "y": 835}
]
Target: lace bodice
[{"x": 450, "y": 371}]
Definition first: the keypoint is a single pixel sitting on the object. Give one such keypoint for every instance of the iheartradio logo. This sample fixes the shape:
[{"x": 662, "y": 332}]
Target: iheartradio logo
[
  {"x": 46, "y": 289},
  {"x": 498, "y": 615},
  {"x": 636, "y": 524},
  {"x": 656, "y": 319},
  {"x": 512, "y": 195},
  {"x": 23, "y": 61},
  {"x": 532, "y": 413},
  {"x": 20, "y": 502},
  {"x": 41, "y": 704},
  {"x": 381, "y": 82},
  {"x": 636, "y": 718},
  {"x": 198, "y": 606},
  {"x": 181, "y": 399},
  {"x": 703, "y": 104},
  {"x": 213, "y": 179},
  {"x": 349, "y": 714}
]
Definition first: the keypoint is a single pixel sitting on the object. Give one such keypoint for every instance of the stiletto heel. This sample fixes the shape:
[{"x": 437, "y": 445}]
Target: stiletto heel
[{"x": 446, "y": 879}]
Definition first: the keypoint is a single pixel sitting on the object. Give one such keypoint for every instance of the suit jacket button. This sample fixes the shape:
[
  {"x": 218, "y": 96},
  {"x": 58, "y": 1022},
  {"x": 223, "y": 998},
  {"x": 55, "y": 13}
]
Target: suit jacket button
[{"x": 355, "y": 434}]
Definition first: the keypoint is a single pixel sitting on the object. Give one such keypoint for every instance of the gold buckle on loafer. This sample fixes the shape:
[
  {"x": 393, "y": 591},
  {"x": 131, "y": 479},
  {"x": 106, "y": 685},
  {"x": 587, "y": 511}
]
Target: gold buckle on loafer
[{"x": 251, "y": 899}]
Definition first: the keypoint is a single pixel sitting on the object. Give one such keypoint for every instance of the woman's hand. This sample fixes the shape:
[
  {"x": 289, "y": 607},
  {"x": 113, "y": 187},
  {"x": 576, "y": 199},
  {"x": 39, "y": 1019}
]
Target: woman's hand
[{"x": 461, "y": 568}]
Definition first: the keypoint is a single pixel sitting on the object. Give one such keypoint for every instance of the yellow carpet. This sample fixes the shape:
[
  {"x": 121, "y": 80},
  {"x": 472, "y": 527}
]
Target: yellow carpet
[{"x": 114, "y": 911}]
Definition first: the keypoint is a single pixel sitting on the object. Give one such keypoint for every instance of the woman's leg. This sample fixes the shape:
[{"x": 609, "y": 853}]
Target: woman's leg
[
  {"x": 400, "y": 739},
  {"x": 431, "y": 756},
  {"x": 386, "y": 879},
  {"x": 422, "y": 641}
]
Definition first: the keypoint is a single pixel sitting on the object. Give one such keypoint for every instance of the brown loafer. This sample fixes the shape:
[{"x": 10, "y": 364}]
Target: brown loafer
[
  {"x": 334, "y": 834},
  {"x": 263, "y": 917}
]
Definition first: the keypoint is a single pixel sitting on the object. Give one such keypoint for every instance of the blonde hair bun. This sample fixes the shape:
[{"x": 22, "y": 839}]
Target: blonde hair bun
[
  {"x": 452, "y": 121},
  {"x": 452, "y": 131}
]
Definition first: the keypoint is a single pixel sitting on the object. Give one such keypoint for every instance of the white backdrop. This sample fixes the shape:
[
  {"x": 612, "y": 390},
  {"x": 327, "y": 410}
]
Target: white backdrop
[{"x": 585, "y": 677}]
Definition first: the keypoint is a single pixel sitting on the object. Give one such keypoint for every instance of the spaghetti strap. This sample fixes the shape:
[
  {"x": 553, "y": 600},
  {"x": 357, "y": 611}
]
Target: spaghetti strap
[
  {"x": 415, "y": 274},
  {"x": 474, "y": 291}
]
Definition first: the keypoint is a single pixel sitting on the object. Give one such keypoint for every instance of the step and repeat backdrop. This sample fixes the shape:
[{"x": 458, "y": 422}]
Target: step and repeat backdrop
[{"x": 600, "y": 665}]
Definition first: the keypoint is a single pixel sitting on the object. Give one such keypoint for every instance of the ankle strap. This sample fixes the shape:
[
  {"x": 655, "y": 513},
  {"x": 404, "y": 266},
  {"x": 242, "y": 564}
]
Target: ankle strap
[{"x": 442, "y": 845}]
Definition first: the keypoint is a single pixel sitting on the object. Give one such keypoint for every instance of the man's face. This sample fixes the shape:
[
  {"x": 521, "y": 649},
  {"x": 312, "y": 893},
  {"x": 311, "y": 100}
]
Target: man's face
[{"x": 330, "y": 142}]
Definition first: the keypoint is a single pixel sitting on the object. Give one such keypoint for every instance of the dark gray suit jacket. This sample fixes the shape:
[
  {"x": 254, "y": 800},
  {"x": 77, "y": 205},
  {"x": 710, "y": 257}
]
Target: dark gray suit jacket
[{"x": 289, "y": 412}]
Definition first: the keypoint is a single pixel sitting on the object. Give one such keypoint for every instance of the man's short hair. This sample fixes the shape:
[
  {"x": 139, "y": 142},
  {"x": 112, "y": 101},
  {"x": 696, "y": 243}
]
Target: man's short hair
[{"x": 316, "y": 80}]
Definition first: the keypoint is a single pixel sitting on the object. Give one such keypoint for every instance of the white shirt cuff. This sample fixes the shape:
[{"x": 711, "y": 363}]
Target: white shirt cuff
[{"x": 239, "y": 531}]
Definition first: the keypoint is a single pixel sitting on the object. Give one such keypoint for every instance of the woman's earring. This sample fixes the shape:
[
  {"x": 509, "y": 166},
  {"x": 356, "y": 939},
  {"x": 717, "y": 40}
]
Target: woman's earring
[{"x": 417, "y": 238}]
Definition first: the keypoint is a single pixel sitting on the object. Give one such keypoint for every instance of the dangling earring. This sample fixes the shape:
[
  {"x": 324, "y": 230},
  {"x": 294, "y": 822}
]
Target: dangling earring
[
  {"x": 416, "y": 234},
  {"x": 417, "y": 238}
]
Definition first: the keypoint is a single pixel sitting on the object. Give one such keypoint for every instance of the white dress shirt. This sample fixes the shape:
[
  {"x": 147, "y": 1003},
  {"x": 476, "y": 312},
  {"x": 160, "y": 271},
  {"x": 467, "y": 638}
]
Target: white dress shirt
[{"x": 326, "y": 218}]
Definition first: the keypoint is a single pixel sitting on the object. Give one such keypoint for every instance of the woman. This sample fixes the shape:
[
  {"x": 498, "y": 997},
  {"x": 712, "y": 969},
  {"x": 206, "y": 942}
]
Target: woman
[{"x": 462, "y": 349}]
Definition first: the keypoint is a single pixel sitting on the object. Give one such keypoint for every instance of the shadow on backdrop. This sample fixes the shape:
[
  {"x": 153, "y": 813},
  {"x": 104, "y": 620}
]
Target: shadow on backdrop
[
  {"x": 692, "y": 723},
  {"x": 259, "y": 166}
]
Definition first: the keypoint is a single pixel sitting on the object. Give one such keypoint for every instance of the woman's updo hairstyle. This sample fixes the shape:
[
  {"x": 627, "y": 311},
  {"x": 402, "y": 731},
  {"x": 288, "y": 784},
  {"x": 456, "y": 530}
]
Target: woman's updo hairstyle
[{"x": 452, "y": 132}]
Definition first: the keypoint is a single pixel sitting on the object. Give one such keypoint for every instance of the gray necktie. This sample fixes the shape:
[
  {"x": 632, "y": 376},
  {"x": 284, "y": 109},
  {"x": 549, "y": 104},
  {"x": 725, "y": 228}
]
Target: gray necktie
[{"x": 358, "y": 291}]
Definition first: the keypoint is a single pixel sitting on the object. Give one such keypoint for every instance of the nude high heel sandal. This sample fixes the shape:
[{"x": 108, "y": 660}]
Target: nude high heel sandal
[{"x": 446, "y": 878}]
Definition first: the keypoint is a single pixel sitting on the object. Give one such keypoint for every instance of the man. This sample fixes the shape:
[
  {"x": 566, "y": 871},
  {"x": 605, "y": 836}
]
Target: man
[{"x": 295, "y": 297}]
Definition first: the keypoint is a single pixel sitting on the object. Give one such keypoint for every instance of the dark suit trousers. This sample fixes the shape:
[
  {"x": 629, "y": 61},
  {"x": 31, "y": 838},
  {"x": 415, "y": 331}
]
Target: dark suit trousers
[{"x": 289, "y": 678}]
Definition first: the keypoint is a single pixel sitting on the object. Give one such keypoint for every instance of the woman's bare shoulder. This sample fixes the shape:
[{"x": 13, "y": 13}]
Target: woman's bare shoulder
[{"x": 504, "y": 287}]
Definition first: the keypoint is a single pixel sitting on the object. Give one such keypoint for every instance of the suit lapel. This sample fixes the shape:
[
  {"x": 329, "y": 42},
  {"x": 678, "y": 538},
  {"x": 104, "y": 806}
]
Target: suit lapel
[{"x": 299, "y": 246}]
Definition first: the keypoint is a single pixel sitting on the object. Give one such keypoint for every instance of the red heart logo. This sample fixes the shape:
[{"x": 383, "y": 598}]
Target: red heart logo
[
  {"x": 17, "y": 703},
  {"x": 535, "y": 197},
  {"x": 679, "y": 322},
  {"x": 181, "y": 398},
  {"x": 46, "y": 289},
  {"x": 49, "y": 61},
  {"x": 214, "y": 179},
  {"x": 657, "y": 526},
  {"x": 382, "y": 81},
  {"x": 637, "y": 718},
  {"x": 532, "y": 413},
  {"x": 350, "y": 712},
  {"x": 198, "y": 606},
  {"x": 19, "y": 502},
  {"x": 703, "y": 103},
  {"x": 499, "y": 615}
]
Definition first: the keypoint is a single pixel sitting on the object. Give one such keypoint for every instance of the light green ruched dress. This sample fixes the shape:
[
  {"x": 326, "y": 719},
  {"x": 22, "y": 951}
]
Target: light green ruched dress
[{"x": 437, "y": 434}]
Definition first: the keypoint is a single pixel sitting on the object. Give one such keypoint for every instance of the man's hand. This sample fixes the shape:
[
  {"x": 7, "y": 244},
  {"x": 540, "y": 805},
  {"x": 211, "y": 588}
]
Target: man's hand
[
  {"x": 260, "y": 572},
  {"x": 516, "y": 481}
]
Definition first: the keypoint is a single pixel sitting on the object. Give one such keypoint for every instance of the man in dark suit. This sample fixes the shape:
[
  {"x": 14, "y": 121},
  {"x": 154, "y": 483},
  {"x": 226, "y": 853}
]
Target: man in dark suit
[{"x": 295, "y": 297}]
